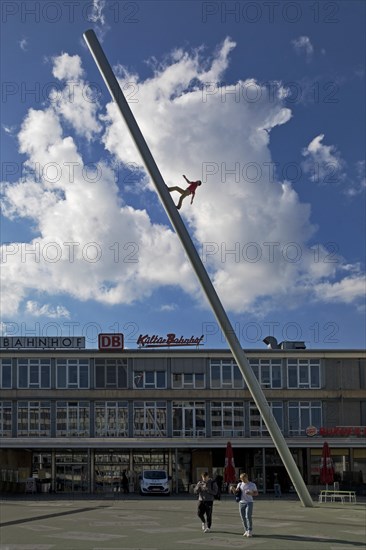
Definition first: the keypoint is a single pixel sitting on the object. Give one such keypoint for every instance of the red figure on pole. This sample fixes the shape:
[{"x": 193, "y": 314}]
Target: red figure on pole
[{"x": 191, "y": 190}]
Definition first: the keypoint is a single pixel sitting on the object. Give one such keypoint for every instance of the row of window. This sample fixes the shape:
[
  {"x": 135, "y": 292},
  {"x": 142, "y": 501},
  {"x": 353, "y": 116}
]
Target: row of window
[
  {"x": 149, "y": 418},
  {"x": 113, "y": 373}
]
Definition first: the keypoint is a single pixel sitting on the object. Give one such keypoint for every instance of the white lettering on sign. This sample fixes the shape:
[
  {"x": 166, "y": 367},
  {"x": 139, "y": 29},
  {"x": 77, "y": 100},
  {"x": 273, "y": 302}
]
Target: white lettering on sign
[{"x": 110, "y": 342}]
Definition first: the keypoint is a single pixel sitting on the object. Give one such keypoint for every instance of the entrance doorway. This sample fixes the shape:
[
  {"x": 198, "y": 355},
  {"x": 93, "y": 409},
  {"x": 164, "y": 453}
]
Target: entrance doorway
[
  {"x": 71, "y": 478},
  {"x": 72, "y": 472}
]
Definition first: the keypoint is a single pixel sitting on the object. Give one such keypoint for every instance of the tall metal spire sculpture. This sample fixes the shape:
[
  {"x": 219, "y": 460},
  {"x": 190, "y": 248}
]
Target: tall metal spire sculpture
[{"x": 207, "y": 286}]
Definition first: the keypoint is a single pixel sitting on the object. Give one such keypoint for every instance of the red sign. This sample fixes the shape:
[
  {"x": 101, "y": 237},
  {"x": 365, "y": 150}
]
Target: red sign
[
  {"x": 110, "y": 342},
  {"x": 155, "y": 341},
  {"x": 343, "y": 431}
]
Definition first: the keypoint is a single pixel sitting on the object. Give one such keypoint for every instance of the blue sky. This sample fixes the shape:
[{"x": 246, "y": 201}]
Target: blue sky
[{"x": 262, "y": 101}]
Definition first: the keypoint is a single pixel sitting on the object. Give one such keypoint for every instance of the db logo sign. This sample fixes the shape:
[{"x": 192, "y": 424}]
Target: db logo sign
[{"x": 110, "y": 342}]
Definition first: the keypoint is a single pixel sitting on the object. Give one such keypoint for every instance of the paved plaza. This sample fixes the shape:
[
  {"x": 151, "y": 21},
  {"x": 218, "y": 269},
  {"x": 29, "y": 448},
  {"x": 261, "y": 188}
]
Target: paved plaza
[{"x": 45, "y": 522}]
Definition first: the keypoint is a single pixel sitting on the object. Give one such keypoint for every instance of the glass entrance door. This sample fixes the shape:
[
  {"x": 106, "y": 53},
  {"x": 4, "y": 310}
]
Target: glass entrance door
[
  {"x": 71, "y": 478},
  {"x": 72, "y": 471}
]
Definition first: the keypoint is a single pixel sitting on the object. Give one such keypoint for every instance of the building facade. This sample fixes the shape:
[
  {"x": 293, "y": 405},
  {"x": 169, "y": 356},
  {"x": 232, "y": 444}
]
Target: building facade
[{"x": 76, "y": 418}]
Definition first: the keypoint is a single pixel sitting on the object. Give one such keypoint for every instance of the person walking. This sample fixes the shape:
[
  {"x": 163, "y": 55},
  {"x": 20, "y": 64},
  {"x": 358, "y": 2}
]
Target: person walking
[
  {"x": 277, "y": 487},
  {"x": 191, "y": 190},
  {"x": 206, "y": 489},
  {"x": 218, "y": 480},
  {"x": 248, "y": 490},
  {"x": 125, "y": 483}
]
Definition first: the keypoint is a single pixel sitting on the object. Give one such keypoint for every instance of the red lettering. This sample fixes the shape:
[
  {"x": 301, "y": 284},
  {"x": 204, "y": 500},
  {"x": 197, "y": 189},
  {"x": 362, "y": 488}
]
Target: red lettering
[
  {"x": 105, "y": 341},
  {"x": 117, "y": 341},
  {"x": 171, "y": 338},
  {"x": 110, "y": 341},
  {"x": 343, "y": 431}
]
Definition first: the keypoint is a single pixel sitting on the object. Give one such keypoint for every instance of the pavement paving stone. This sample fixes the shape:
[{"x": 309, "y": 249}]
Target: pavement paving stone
[{"x": 52, "y": 522}]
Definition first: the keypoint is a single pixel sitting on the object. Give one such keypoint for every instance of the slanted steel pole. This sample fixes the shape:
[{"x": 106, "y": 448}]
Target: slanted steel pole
[{"x": 176, "y": 221}]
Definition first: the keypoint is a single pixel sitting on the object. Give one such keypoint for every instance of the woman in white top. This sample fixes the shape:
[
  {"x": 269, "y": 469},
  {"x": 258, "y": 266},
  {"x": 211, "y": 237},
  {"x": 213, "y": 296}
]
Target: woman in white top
[{"x": 248, "y": 490}]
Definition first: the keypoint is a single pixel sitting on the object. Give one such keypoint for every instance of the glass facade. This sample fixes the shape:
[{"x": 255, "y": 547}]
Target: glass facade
[
  {"x": 257, "y": 425},
  {"x": 34, "y": 373},
  {"x": 72, "y": 373},
  {"x": 302, "y": 414},
  {"x": 111, "y": 419},
  {"x": 194, "y": 380},
  {"x": 109, "y": 403},
  {"x": 110, "y": 373},
  {"x": 227, "y": 419},
  {"x": 149, "y": 379},
  {"x": 268, "y": 372},
  {"x": 303, "y": 373},
  {"x": 5, "y": 418},
  {"x": 72, "y": 419},
  {"x": 189, "y": 419},
  {"x": 5, "y": 373},
  {"x": 149, "y": 419},
  {"x": 34, "y": 419},
  {"x": 225, "y": 374},
  {"x": 72, "y": 471}
]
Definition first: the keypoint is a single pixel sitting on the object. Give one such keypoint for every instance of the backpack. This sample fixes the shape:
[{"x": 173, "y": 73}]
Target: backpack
[{"x": 214, "y": 490}]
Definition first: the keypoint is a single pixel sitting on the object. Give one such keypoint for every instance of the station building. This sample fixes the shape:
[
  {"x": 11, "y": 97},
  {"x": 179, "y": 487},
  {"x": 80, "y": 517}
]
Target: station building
[{"x": 75, "y": 418}]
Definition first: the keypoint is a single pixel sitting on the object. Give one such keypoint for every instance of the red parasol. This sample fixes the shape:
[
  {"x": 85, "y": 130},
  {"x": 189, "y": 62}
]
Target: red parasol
[
  {"x": 326, "y": 466},
  {"x": 229, "y": 472}
]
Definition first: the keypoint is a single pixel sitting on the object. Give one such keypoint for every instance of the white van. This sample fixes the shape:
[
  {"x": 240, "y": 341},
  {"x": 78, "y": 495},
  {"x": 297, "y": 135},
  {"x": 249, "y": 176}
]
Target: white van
[{"x": 154, "y": 482}]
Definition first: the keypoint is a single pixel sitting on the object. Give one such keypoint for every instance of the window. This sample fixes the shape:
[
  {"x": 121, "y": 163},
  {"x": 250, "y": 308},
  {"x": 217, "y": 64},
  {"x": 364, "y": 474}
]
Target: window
[
  {"x": 227, "y": 419},
  {"x": 5, "y": 418},
  {"x": 303, "y": 373},
  {"x": 72, "y": 373},
  {"x": 5, "y": 373},
  {"x": 268, "y": 372},
  {"x": 111, "y": 373},
  {"x": 149, "y": 419},
  {"x": 225, "y": 374},
  {"x": 302, "y": 414},
  {"x": 111, "y": 419},
  {"x": 149, "y": 379},
  {"x": 34, "y": 373},
  {"x": 72, "y": 418},
  {"x": 188, "y": 380},
  {"x": 257, "y": 425},
  {"x": 189, "y": 419},
  {"x": 34, "y": 419}
]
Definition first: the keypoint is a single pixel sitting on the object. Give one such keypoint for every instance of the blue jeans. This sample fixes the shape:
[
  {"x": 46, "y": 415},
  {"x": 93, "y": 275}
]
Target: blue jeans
[{"x": 246, "y": 511}]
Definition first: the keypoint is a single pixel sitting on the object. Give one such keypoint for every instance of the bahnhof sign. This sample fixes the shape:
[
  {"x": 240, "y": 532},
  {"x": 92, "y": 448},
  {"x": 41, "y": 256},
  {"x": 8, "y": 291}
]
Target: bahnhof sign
[{"x": 42, "y": 342}]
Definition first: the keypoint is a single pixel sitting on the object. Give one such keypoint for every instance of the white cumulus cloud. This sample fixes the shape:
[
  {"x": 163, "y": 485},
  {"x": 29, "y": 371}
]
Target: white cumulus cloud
[
  {"x": 23, "y": 43},
  {"x": 97, "y": 16},
  {"x": 303, "y": 46},
  {"x": 91, "y": 243},
  {"x": 76, "y": 101},
  {"x": 323, "y": 162},
  {"x": 347, "y": 290},
  {"x": 46, "y": 310}
]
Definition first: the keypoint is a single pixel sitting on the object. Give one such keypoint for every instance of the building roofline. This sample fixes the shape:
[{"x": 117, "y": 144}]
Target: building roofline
[{"x": 169, "y": 352}]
